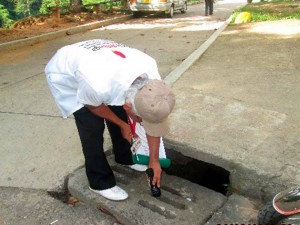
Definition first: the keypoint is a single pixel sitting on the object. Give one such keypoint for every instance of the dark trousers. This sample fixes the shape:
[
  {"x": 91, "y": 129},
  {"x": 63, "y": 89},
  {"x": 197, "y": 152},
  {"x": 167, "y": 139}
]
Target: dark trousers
[
  {"x": 209, "y": 7},
  {"x": 91, "y": 128}
]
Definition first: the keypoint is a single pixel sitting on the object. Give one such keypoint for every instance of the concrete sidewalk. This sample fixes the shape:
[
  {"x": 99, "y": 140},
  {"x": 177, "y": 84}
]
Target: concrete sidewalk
[
  {"x": 237, "y": 108},
  {"x": 240, "y": 107}
]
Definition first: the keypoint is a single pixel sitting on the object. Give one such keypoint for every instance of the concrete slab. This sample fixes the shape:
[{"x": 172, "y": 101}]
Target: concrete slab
[
  {"x": 46, "y": 147},
  {"x": 29, "y": 97},
  {"x": 34, "y": 164},
  {"x": 237, "y": 210},
  {"x": 28, "y": 207},
  {"x": 181, "y": 202},
  {"x": 242, "y": 113},
  {"x": 43, "y": 162}
]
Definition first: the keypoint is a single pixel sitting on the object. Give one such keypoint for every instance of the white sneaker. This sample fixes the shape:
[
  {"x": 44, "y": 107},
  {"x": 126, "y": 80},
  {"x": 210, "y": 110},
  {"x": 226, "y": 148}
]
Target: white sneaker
[
  {"x": 115, "y": 193},
  {"x": 138, "y": 167}
]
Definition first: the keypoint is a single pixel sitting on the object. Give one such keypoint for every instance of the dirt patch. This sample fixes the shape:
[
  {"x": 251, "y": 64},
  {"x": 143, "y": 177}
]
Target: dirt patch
[{"x": 42, "y": 24}]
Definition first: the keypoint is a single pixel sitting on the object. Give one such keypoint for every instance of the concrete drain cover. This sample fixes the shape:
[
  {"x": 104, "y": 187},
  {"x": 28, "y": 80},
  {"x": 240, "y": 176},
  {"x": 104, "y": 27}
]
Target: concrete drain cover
[{"x": 181, "y": 202}]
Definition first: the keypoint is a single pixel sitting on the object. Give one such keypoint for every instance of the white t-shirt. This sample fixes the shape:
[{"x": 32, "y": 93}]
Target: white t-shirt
[
  {"x": 143, "y": 148},
  {"x": 95, "y": 72}
]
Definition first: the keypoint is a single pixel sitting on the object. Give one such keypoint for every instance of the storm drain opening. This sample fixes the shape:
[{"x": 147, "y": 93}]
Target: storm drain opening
[{"x": 202, "y": 173}]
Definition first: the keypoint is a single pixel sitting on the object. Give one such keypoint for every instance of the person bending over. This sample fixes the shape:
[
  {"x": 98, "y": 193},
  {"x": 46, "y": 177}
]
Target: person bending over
[{"x": 102, "y": 81}]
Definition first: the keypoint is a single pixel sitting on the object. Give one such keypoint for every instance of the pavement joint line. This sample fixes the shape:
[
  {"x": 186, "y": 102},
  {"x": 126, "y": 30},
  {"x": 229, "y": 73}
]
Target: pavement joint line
[
  {"x": 7, "y": 85},
  {"x": 30, "y": 114},
  {"x": 173, "y": 76}
]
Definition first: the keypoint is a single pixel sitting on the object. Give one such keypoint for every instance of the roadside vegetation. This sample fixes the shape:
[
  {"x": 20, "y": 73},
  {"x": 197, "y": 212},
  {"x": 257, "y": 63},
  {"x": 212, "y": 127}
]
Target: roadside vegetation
[
  {"x": 14, "y": 10},
  {"x": 270, "y": 10}
]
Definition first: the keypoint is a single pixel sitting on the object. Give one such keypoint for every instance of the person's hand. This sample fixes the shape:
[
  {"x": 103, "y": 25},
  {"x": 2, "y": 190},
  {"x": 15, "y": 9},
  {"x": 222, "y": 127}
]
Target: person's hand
[
  {"x": 105, "y": 112},
  {"x": 126, "y": 132},
  {"x": 157, "y": 172}
]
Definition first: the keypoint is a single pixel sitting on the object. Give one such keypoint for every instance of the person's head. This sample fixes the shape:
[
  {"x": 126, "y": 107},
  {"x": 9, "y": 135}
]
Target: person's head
[{"x": 150, "y": 101}]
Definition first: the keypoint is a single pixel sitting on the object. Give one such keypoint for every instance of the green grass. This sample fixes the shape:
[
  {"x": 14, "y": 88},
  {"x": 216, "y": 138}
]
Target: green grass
[
  {"x": 194, "y": 1},
  {"x": 272, "y": 10}
]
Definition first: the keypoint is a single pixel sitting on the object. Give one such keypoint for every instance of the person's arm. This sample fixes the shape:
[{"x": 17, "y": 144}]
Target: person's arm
[
  {"x": 106, "y": 113},
  {"x": 154, "y": 143}
]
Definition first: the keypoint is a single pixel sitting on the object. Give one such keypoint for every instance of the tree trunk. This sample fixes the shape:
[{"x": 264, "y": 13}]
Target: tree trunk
[
  {"x": 28, "y": 7},
  {"x": 76, "y": 2},
  {"x": 76, "y": 6}
]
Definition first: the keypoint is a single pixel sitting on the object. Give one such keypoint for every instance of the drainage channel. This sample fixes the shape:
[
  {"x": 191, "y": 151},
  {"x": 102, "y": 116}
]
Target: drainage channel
[
  {"x": 202, "y": 173},
  {"x": 184, "y": 199}
]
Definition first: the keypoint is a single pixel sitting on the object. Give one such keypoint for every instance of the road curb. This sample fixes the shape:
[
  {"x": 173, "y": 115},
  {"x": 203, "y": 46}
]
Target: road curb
[
  {"x": 61, "y": 33},
  {"x": 172, "y": 77}
]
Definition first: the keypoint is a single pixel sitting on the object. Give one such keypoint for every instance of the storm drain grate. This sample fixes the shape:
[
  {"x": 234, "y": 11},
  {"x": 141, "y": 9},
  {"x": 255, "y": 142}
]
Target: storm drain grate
[{"x": 182, "y": 202}]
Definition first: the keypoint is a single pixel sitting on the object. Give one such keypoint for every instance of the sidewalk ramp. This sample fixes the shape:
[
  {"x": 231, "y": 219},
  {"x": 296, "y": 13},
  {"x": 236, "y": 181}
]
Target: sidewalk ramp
[{"x": 182, "y": 202}]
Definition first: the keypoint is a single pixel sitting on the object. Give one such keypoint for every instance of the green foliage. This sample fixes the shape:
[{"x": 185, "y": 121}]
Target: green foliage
[
  {"x": 272, "y": 10},
  {"x": 194, "y": 1},
  {"x": 22, "y": 8},
  {"x": 107, "y": 6},
  {"x": 89, "y": 1},
  {"x": 5, "y": 20},
  {"x": 10, "y": 6},
  {"x": 52, "y": 3}
]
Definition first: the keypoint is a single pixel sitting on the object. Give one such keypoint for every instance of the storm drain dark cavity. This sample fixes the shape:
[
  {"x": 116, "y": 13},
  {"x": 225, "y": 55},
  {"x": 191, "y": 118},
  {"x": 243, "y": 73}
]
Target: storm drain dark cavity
[{"x": 205, "y": 174}]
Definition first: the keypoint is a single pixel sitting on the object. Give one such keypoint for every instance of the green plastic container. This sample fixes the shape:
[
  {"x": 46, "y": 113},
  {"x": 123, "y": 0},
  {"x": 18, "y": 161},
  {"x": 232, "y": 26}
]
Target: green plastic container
[{"x": 144, "y": 160}]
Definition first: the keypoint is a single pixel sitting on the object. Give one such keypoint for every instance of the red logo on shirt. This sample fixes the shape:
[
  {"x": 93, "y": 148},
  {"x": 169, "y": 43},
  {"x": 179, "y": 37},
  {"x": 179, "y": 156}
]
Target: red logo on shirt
[{"x": 119, "y": 54}]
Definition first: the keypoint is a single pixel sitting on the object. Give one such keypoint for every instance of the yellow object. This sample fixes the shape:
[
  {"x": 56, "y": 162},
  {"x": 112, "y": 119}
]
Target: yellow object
[{"x": 244, "y": 17}]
